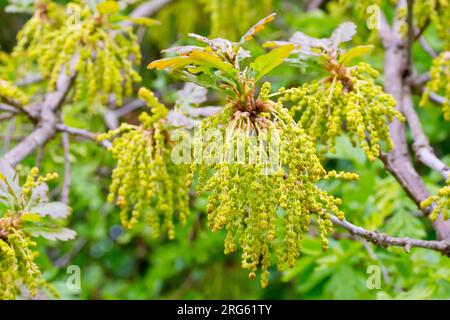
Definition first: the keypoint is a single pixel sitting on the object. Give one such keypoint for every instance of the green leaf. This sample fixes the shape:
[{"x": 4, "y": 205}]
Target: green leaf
[
  {"x": 191, "y": 95},
  {"x": 31, "y": 217},
  {"x": 211, "y": 60},
  {"x": 174, "y": 63},
  {"x": 108, "y": 7},
  {"x": 354, "y": 53},
  {"x": 403, "y": 224},
  {"x": 144, "y": 21},
  {"x": 414, "y": 294},
  {"x": 204, "y": 80},
  {"x": 53, "y": 209},
  {"x": 345, "y": 283},
  {"x": 267, "y": 62},
  {"x": 38, "y": 195},
  {"x": 51, "y": 233}
]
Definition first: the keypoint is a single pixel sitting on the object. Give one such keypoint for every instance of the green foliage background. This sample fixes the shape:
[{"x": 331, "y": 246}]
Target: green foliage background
[{"x": 131, "y": 265}]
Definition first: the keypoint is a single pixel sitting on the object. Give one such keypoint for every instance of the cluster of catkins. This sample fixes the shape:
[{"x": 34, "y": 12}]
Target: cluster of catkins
[
  {"x": 441, "y": 201},
  {"x": 17, "y": 266},
  {"x": 439, "y": 82},
  {"x": 353, "y": 104},
  {"x": 100, "y": 53},
  {"x": 146, "y": 182},
  {"x": 265, "y": 205}
]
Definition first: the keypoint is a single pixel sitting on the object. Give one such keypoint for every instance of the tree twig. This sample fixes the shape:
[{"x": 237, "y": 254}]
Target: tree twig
[
  {"x": 29, "y": 80},
  {"x": 8, "y": 135},
  {"x": 40, "y": 156},
  {"x": 67, "y": 171},
  {"x": 46, "y": 126},
  {"x": 410, "y": 36},
  {"x": 86, "y": 134},
  {"x": 112, "y": 116},
  {"x": 427, "y": 48},
  {"x": 313, "y": 5},
  {"x": 421, "y": 146},
  {"x": 384, "y": 240},
  {"x": 8, "y": 108}
]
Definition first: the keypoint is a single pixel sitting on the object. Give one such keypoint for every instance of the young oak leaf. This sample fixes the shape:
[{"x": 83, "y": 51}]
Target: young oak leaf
[
  {"x": 51, "y": 233},
  {"x": 343, "y": 33},
  {"x": 31, "y": 217},
  {"x": 260, "y": 25},
  {"x": 267, "y": 62},
  {"x": 173, "y": 62},
  {"x": 182, "y": 50},
  {"x": 108, "y": 7},
  {"x": 354, "y": 53},
  {"x": 307, "y": 45},
  {"x": 191, "y": 95},
  {"x": 53, "y": 209},
  {"x": 217, "y": 44},
  {"x": 211, "y": 60}
]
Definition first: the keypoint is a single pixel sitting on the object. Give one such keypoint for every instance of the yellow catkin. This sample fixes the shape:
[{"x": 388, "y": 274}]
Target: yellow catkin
[
  {"x": 146, "y": 183},
  {"x": 17, "y": 254},
  {"x": 439, "y": 82},
  {"x": 441, "y": 201}
]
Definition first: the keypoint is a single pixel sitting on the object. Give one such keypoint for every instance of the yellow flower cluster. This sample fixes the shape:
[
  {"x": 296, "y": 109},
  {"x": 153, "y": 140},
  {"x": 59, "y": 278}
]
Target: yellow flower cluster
[
  {"x": 441, "y": 201},
  {"x": 101, "y": 53},
  {"x": 47, "y": 17},
  {"x": 17, "y": 266},
  {"x": 33, "y": 180},
  {"x": 268, "y": 205},
  {"x": 145, "y": 181},
  {"x": 439, "y": 82},
  {"x": 11, "y": 94},
  {"x": 353, "y": 104}
]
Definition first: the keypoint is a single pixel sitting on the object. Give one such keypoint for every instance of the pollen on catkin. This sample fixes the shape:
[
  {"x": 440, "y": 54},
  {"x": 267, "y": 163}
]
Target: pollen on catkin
[
  {"x": 355, "y": 105},
  {"x": 441, "y": 201},
  {"x": 146, "y": 183}
]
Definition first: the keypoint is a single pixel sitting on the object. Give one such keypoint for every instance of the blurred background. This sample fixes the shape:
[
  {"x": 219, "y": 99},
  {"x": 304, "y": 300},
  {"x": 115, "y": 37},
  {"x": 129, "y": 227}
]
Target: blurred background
[{"x": 115, "y": 264}]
